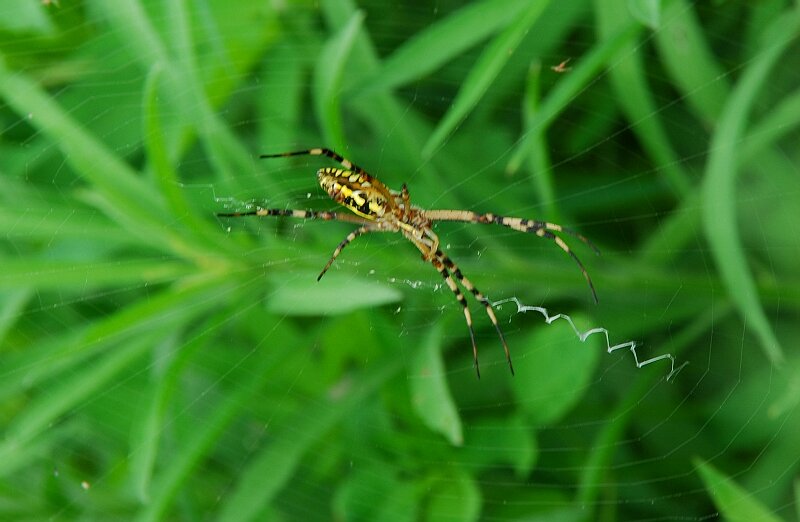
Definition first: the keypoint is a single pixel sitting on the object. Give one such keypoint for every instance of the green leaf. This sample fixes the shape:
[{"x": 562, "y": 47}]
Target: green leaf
[
  {"x": 735, "y": 503},
  {"x": 455, "y": 497},
  {"x": 556, "y": 367},
  {"x": 720, "y": 216},
  {"x": 443, "y": 41},
  {"x": 507, "y": 441},
  {"x": 647, "y": 12},
  {"x": 334, "y": 294},
  {"x": 430, "y": 394},
  {"x": 483, "y": 73},
  {"x": 27, "y": 17}
]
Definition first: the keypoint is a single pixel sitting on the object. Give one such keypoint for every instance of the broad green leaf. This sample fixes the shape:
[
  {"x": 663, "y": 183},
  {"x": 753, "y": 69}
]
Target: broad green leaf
[
  {"x": 430, "y": 394},
  {"x": 509, "y": 441},
  {"x": 454, "y": 497},
  {"x": 25, "y": 17},
  {"x": 555, "y": 369},
  {"x": 735, "y": 503},
  {"x": 334, "y": 294}
]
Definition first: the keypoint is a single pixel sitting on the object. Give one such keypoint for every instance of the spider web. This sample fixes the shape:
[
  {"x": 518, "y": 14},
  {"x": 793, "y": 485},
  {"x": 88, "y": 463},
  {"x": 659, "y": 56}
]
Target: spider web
[{"x": 160, "y": 363}]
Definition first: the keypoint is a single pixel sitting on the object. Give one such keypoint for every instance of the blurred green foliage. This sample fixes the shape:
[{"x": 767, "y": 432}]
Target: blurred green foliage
[{"x": 158, "y": 363}]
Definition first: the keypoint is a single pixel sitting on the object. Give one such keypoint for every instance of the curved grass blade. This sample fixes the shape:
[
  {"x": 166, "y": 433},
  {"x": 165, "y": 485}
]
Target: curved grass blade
[
  {"x": 430, "y": 394},
  {"x": 719, "y": 197}
]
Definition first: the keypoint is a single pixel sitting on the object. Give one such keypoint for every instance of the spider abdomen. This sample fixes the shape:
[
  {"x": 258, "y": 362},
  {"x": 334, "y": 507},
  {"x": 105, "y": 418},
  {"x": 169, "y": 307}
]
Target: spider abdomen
[{"x": 358, "y": 191}]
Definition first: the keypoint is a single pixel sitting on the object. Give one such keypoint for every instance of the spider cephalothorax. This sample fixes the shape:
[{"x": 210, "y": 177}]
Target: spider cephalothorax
[{"x": 377, "y": 209}]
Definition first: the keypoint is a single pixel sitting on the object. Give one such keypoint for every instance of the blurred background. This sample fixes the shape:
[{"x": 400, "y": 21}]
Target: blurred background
[{"x": 158, "y": 362}]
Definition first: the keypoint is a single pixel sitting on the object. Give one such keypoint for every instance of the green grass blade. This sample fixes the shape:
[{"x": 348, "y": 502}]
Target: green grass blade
[
  {"x": 584, "y": 71},
  {"x": 629, "y": 79},
  {"x": 735, "y": 503},
  {"x": 328, "y": 78},
  {"x": 719, "y": 209},
  {"x": 47, "y": 274},
  {"x": 66, "y": 394},
  {"x": 690, "y": 62},
  {"x": 441, "y": 42},
  {"x": 430, "y": 394},
  {"x": 270, "y": 470},
  {"x": 136, "y": 204},
  {"x": 483, "y": 73}
]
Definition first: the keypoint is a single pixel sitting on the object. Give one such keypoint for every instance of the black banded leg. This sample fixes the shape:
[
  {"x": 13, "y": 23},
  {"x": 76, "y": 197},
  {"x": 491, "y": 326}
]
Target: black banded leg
[
  {"x": 264, "y": 212},
  {"x": 346, "y": 163},
  {"x": 300, "y": 214},
  {"x": 346, "y": 241},
  {"x": 460, "y": 298},
  {"x": 452, "y": 267},
  {"x": 560, "y": 242},
  {"x": 540, "y": 228}
]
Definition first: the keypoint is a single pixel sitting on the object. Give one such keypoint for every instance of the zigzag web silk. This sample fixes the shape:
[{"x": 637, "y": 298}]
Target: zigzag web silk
[{"x": 630, "y": 345}]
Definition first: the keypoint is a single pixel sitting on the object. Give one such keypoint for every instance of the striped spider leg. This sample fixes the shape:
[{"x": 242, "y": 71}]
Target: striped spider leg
[{"x": 376, "y": 208}]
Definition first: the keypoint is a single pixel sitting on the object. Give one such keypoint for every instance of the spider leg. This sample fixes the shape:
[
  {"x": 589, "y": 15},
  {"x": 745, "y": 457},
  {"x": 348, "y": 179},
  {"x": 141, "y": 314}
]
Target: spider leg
[
  {"x": 301, "y": 214},
  {"x": 452, "y": 267},
  {"x": 346, "y": 163},
  {"x": 346, "y": 241},
  {"x": 540, "y": 228},
  {"x": 437, "y": 263}
]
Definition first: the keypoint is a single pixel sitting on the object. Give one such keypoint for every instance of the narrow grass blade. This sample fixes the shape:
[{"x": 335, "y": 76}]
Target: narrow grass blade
[
  {"x": 47, "y": 274},
  {"x": 635, "y": 95},
  {"x": 148, "y": 432},
  {"x": 170, "y": 185},
  {"x": 719, "y": 198},
  {"x": 430, "y": 394},
  {"x": 137, "y": 204},
  {"x": 441, "y": 42},
  {"x": 328, "y": 81},
  {"x": 541, "y": 170},
  {"x": 65, "y": 394},
  {"x": 734, "y": 503},
  {"x": 584, "y": 71},
  {"x": 690, "y": 62},
  {"x": 483, "y": 73}
]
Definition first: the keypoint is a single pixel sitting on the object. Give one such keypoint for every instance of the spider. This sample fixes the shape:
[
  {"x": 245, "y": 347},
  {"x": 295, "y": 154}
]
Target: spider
[{"x": 376, "y": 208}]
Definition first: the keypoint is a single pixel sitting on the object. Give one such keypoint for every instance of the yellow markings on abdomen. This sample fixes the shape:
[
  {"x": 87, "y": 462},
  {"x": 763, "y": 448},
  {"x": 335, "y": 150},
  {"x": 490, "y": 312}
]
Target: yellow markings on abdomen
[{"x": 357, "y": 191}]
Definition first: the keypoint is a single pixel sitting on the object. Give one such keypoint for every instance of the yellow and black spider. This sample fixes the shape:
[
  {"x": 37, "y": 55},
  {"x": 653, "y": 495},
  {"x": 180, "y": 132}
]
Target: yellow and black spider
[{"x": 378, "y": 209}]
